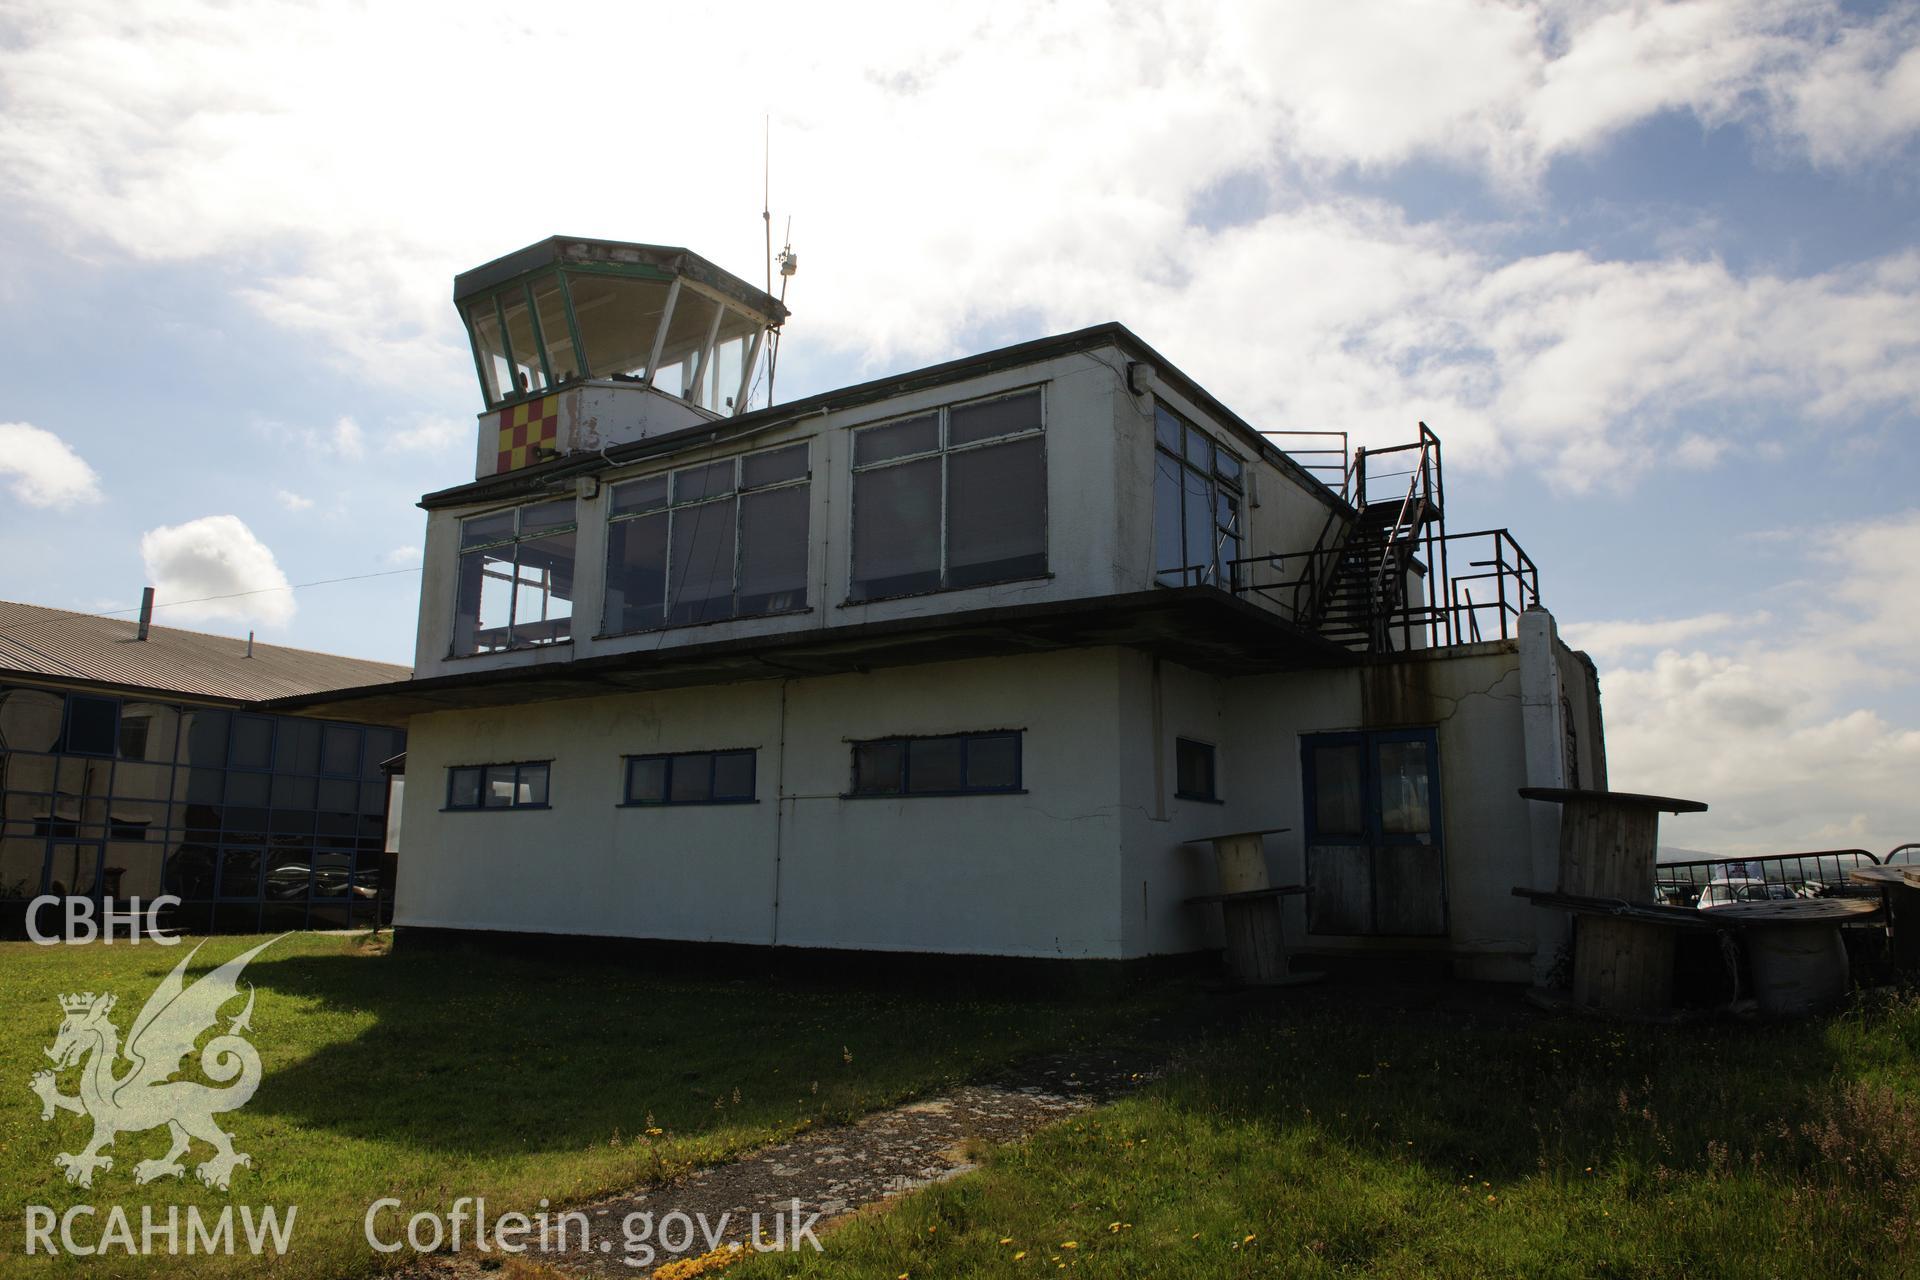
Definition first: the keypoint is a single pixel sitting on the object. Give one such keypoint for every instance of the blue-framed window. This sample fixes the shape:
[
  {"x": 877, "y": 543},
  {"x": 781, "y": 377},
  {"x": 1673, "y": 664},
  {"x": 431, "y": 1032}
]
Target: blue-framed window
[
  {"x": 522, "y": 785},
  {"x": 691, "y": 777},
  {"x": 1379, "y": 787},
  {"x": 1193, "y": 771},
  {"x": 1198, "y": 489},
  {"x": 954, "y": 764}
]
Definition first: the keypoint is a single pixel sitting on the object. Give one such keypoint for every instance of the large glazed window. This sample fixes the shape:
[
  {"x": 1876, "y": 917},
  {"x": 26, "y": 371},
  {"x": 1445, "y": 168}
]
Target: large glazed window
[
  {"x": 1196, "y": 505},
  {"x": 516, "y": 579},
  {"x": 717, "y": 540},
  {"x": 952, "y": 498}
]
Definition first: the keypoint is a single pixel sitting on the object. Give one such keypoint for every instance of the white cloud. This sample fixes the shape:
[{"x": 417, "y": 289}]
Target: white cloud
[
  {"x": 345, "y": 440},
  {"x": 293, "y": 501},
  {"x": 430, "y": 435},
  {"x": 908, "y": 152},
  {"x": 401, "y": 557},
  {"x": 44, "y": 469},
  {"x": 215, "y": 556},
  {"x": 1614, "y": 639},
  {"x": 1766, "y": 717}
]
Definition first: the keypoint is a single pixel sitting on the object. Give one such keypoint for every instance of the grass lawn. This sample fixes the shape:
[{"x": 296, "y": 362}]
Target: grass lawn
[
  {"x": 431, "y": 1075},
  {"x": 1407, "y": 1140}
]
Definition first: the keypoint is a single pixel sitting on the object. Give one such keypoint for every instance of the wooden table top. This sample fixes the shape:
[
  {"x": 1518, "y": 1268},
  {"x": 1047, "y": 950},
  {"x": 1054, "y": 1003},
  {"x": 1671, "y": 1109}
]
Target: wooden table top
[
  {"x": 1250, "y": 895},
  {"x": 1808, "y": 911},
  {"x": 1906, "y": 874},
  {"x": 1624, "y": 799},
  {"x": 1235, "y": 835}
]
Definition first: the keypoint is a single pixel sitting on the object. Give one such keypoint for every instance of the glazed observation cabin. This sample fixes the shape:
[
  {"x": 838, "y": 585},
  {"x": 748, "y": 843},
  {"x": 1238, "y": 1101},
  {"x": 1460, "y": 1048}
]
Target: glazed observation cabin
[{"x": 583, "y": 344}]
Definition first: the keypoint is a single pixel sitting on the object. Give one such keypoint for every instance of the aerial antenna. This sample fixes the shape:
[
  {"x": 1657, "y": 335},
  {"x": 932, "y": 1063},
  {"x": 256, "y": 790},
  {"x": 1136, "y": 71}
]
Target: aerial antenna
[{"x": 786, "y": 261}]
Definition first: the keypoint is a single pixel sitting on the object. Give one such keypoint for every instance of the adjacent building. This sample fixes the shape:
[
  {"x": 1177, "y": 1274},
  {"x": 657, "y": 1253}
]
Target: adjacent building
[
  {"x": 963, "y": 660},
  {"x": 135, "y": 762}
]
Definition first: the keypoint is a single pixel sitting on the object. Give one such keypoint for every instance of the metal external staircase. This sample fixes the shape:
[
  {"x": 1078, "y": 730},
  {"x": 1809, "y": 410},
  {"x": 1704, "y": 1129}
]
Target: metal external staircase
[
  {"x": 1363, "y": 586},
  {"x": 1377, "y": 579}
]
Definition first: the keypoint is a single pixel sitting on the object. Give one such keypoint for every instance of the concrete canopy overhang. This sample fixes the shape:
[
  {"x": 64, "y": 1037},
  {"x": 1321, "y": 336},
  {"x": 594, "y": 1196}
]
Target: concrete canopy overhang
[{"x": 1201, "y": 627}]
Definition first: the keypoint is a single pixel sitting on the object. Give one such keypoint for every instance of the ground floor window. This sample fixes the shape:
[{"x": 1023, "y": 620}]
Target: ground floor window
[
  {"x": 954, "y": 764},
  {"x": 691, "y": 777},
  {"x": 1193, "y": 770},
  {"x": 498, "y": 786}
]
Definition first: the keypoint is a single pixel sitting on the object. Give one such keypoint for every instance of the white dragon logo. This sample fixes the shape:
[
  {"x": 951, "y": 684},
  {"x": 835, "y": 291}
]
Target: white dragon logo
[{"x": 145, "y": 1096}]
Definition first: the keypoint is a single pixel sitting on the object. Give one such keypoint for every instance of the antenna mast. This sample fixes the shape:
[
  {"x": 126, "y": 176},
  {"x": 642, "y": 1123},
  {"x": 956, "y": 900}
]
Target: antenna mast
[{"x": 788, "y": 263}]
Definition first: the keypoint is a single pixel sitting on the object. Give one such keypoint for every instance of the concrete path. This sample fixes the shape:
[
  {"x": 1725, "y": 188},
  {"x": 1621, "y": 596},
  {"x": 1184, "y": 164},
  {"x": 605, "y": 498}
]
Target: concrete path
[{"x": 825, "y": 1174}]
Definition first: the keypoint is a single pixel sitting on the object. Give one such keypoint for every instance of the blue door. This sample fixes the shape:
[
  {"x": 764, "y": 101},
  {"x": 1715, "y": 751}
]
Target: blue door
[{"x": 1375, "y": 853}]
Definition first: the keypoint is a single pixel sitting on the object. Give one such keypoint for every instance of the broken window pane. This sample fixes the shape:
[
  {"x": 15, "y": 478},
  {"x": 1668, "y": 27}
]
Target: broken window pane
[
  {"x": 996, "y": 513},
  {"x": 688, "y": 329},
  {"x": 496, "y": 374},
  {"x": 701, "y": 585},
  {"x": 618, "y": 318},
  {"x": 551, "y": 305},
  {"x": 543, "y": 590},
  {"x": 969, "y": 422},
  {"x": 896, "y": 530},
  {"x": 523, "y": 351},
  {"x": 497, "y": 790},
  {"x": 520, "y": 592},
  {"x": 896, "y": 440},
  {"x": 773, "y": 550},
  {"x": 636, "y": 574}
]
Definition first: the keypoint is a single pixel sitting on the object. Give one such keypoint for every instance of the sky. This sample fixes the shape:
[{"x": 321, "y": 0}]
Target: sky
[{"x": 1651, "y": 271}]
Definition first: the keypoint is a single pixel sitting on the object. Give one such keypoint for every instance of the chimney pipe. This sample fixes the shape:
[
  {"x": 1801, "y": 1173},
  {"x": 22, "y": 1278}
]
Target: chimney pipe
[
  {"x": 146, "y": 613},
  {"x": 249, "y": 644}
]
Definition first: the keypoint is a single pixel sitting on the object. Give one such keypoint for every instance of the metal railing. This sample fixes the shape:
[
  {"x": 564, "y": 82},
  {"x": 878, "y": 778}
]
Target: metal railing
[
  {"x": 1293, "y": 583},
  {"x": 1906, "y": 853},
  {"x": 1805, "y": 874},
  {"x": 1318, "y": 454}
]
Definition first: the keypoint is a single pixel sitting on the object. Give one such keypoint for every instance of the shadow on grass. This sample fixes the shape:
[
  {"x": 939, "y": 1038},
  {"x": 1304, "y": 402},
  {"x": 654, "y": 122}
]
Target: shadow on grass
[{"x": 481, "y": 1053}]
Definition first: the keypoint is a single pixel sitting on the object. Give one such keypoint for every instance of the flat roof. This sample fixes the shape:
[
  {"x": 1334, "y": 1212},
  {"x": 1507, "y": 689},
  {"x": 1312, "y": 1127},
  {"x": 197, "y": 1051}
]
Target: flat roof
[
  {"x": 61, "y": 645},
  {"x": 537, "y": 479}
]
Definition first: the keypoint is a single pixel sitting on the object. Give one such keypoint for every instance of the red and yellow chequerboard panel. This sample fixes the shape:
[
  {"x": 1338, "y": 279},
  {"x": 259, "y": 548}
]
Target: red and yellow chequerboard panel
[{"x": 526, "y": 429}]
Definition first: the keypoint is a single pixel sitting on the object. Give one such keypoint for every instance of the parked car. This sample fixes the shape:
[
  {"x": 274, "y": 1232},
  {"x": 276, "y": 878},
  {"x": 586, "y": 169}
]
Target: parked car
[{"x": 1724, "y": 893}]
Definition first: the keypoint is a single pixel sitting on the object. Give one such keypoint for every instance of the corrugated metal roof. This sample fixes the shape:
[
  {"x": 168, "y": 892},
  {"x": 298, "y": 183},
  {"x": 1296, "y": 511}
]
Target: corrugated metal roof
[{"x": 83, "y": 646}]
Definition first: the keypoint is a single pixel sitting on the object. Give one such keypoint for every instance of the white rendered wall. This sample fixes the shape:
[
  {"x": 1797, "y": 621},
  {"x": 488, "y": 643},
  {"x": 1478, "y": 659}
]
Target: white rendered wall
[{"x": 1021, "y": 875}]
